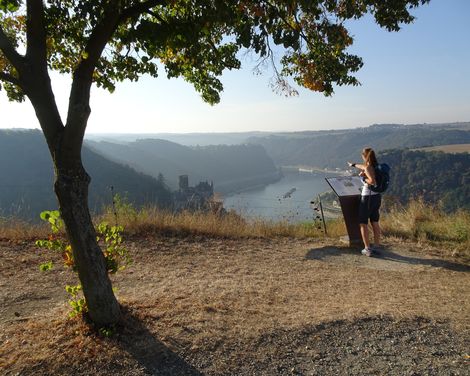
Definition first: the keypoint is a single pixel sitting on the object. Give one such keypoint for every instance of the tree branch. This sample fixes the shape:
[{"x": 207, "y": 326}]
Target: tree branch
[
  {"x": 103, "y": 32},
  {"x": 283, "y": 19},
  {"x": 140, "y": 8},
  {"x": 9, "y": 51},
  {"x": 36, "y": 33},
  {"x": 79, "y": 109},
  {"x": 105, "y": 29},
  {"x": 9, "y": 78},
  {"x": 153, "y": 14}
]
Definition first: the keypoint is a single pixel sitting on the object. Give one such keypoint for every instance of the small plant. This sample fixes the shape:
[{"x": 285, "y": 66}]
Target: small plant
[
  {"x": 123, "y": 209},
  {"x": 45, "y": 266},
  {"x": 106, "y": 332},
  {"x": 54, "y": 242},
  {"x": 78, "y": 304},
  {"x": 116, "y": 255}
]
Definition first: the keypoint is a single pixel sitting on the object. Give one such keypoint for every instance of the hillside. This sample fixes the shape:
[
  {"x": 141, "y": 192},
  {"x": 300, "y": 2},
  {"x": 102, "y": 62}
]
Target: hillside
[
  {"x": 217, "y": 306},
  {"x": 230, "y": 167},
  {"x": 231, "y": 138},
  {"x": 26, "y": 186},
  {"x": 333, "y": 149},
  {"x": 438, "y": 177},
  {"x": 459, "y": 148}
]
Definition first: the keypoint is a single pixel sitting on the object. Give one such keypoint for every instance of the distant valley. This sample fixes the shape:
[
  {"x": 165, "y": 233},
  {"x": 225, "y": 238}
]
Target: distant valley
[
  {"x": 27, "y": 176},
  {"x": 230, "y": 167},
  {"x": 146, "y": 170}
]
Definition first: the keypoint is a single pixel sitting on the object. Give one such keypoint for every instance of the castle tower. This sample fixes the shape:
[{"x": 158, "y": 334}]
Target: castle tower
[{"x": 183, "y": 182}]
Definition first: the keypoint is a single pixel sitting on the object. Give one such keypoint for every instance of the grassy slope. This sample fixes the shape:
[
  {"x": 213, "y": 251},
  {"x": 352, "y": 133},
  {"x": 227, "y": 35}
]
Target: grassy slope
[{"x": 461, "y": 148}]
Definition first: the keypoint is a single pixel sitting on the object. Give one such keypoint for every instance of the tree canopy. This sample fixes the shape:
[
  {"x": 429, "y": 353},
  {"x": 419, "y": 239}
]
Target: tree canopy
[{"x": 194, "y": 39}]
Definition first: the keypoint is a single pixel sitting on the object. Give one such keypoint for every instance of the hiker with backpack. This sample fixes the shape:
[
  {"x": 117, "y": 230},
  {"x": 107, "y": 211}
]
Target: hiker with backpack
[{"x": 375, "y": 179}]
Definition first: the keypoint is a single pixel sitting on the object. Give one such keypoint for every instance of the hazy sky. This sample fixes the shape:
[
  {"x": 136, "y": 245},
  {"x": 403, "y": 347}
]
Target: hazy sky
[{"x": 419, "y": 75}]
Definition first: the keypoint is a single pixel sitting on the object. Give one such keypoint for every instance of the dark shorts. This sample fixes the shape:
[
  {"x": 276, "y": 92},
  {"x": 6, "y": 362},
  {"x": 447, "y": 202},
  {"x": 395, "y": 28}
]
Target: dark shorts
[{"x": 369, "y": 208}]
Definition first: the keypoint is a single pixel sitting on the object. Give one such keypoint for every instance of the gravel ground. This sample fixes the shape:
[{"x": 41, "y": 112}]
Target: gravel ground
[{"x": 368, "y": 346}]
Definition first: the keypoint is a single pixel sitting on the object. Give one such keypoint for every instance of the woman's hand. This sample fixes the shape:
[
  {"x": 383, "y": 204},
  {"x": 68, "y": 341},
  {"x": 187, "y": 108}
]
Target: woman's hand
[{"x": 350, "y": 164}]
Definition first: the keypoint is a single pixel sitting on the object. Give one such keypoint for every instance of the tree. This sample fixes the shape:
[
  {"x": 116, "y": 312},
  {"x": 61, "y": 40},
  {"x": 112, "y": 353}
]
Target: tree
[{"x": 106, "y": 41}]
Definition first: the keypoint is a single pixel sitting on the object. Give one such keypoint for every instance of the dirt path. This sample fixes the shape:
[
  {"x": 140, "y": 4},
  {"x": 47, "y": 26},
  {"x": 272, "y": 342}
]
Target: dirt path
[{"x": 274, "y": 306}]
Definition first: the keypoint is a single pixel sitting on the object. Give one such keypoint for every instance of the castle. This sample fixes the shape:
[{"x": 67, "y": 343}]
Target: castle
[{"x": 194, "y": 198}]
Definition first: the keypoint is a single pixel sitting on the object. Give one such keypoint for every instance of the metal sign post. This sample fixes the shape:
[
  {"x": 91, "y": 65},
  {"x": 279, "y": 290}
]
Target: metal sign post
[{"x": 348, "y": 189}]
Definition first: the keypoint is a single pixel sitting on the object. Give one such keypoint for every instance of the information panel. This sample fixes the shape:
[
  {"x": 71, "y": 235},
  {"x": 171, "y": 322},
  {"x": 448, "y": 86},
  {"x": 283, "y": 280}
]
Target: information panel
[
  {"x": 346, "y": 185},
  {"x": 348, "y": 189}
]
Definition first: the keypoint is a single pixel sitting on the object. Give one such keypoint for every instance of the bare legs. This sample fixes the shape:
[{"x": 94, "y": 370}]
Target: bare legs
[{"x": 365, "y": 234}]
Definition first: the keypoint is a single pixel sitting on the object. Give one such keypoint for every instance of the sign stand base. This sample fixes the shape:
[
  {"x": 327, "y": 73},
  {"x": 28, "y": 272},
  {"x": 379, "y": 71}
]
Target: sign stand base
[{"x": 348, "y": 189}]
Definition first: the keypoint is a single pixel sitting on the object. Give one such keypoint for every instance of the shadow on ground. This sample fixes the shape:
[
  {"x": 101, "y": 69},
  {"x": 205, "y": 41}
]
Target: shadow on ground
[
  {"x": 152, "y": 355},
  {"x": 328, "y": 253}
]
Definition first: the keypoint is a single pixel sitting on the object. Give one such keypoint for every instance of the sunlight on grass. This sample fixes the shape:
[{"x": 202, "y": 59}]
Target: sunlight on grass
[
  {"x": 230, "y": 224},
  {"x": 426, "y": 223},
  {"x": 17, "y": 230},
  {"x": 419, "y": 222}
]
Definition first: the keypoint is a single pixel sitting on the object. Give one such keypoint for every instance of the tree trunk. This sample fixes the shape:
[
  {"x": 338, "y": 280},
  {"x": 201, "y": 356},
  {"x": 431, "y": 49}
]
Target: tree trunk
[{"x": 71, "y": 187}]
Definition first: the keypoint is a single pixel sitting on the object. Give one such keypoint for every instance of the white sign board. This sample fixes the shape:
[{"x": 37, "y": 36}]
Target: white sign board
[{"x": 346, "y": 185}]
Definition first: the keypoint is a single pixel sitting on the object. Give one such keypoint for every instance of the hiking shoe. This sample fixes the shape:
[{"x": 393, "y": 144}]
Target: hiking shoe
[{"x": 366, "y": 252}]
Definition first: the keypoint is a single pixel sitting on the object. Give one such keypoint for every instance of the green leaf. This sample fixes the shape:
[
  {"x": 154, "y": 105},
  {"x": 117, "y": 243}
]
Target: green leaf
[
  {"x": 46, "y": 266},
  {"x": 9, "y": 5}
]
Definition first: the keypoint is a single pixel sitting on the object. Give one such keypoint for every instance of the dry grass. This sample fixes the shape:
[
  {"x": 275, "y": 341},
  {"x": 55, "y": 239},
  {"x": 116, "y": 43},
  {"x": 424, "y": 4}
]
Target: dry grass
[
  {"x": 231, "y": 225},
  {"x": 13, "y": 229},
  {"x": 417, "y": 222},
  {"x": 427, "y": 224}
]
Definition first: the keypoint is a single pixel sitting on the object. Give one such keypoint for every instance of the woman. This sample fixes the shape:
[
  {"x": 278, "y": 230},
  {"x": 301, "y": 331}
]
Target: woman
[{"x": 370, "y": 201}]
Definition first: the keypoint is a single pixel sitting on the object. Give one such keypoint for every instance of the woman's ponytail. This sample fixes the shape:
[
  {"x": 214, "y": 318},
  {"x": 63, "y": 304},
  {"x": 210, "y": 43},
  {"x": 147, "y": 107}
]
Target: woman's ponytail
[{"x": 369, "y": 156}]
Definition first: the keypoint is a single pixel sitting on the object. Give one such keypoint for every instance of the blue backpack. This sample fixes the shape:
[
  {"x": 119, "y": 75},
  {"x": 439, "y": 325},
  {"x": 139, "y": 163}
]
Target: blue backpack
[{"x": 382, "y": 178}]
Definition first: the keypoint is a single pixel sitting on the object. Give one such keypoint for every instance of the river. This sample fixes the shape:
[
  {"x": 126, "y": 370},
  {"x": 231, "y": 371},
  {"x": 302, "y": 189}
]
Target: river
[{"x": 288, "y": 199}]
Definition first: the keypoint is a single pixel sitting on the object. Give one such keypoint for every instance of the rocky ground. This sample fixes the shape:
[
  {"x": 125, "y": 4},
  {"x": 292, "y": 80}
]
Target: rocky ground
[{"x": 204, "y": 306}]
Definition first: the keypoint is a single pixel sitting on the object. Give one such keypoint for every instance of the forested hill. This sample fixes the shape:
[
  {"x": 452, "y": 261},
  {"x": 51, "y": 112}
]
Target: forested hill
[
  {"x": 331, "y": 150},
  {"x": 230, "y": 167},
  {"x": 26, "y": 184},
  {"x": 436, "y": 176}
]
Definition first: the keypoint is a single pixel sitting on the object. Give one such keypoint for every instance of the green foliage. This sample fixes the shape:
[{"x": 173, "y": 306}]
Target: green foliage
[
  {"x": 45, "y": 266},
  {"x": 437, "y": 177},
  {"x": 53, "y": 217},
  {"x": 123, "y": 209},
  {"x": 54, "y": 242},
  {"x": 77, "y": 303},
  {"x": 9, "y": 5},
  {"x": 106, "y": 332},
  {"x": 116, "y": 255},
  {"x": 198, "y": 40}
]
